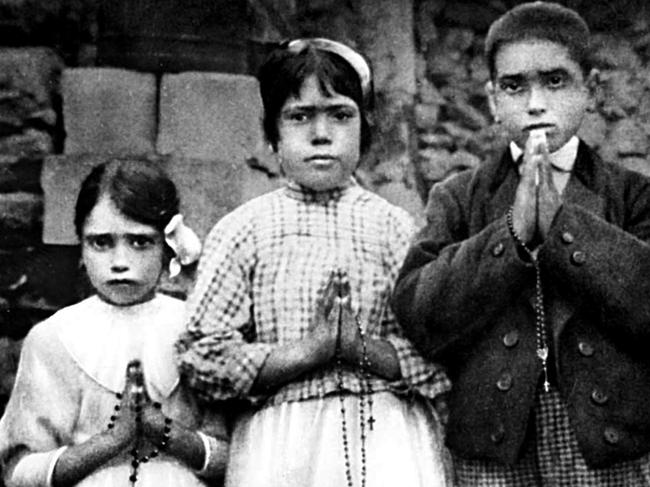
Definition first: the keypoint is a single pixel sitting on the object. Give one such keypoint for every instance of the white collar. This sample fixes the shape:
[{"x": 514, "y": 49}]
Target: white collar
[
  {"x": 103, "y": 338},
  {"x": 562, "y": 159}
]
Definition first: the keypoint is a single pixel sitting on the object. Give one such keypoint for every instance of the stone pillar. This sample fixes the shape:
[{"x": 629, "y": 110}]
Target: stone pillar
[{"x": 387, "y": 38}]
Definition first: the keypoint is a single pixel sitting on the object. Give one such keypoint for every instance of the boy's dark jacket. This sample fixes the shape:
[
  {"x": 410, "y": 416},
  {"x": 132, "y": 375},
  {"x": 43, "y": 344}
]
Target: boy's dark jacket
[{"x": 465, "y": 298}]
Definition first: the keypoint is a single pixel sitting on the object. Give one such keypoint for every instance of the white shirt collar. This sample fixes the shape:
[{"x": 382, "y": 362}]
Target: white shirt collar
[{"x": 562, "y": 159}]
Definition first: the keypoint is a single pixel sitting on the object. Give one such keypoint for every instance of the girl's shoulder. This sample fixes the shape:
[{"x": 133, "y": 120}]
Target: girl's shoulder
[
  {"x": 82, "y": 309},
  {"x": 385, "y": 211},
  {"x": 45, "y": 334},
  {"x": 255, "y": 208},
  {"x": 241, "y": 223}
]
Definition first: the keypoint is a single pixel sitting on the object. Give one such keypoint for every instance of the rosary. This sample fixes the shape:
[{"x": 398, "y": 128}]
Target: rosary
[
  {"x": 365, "y": 400},
  {"x": 138, "y": 459},
  {"x": 540, "y": 319}
]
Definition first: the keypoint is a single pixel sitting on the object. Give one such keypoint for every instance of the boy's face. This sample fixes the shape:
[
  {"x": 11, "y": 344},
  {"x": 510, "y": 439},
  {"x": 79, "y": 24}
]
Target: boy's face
[
  {"x": 538, "y": 85},
  {"x": 319, "y": 137}
]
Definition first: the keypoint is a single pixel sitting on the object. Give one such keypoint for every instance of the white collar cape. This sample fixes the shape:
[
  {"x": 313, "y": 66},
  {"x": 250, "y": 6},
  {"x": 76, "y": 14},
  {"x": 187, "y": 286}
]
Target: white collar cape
[{"x": 102, "y": 339}]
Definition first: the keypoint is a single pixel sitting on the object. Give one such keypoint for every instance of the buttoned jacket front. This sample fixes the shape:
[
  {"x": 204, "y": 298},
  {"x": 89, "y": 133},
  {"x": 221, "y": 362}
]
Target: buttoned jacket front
[{"x": 465, "y": 298}]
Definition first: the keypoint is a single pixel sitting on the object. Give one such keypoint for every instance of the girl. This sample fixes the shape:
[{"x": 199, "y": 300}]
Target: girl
[
  {"x": 78, "y": 415},
  {"x": 290, "y": 313}
]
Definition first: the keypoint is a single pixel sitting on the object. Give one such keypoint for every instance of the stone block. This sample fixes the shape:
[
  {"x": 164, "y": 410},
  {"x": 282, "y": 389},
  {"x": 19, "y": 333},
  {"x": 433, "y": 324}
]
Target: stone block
[
  {"x": 436, "y": 165},
  {"x": 108, "y": 110},
  {"x": 211, "y": 188},
  {"x": 466, "y": 114},
  {"x": 211, "y": 116},
  {"x": 208, "y": 190},
  {"x": 621, "y": 92},
  {"x": 9, "y": 355},
  {"x": 458, "y": 39},
  {"x": 61, "y": 178},
  {"x": 638, "y": 164},
  {"x": 18, "y": 174},
  {"x": 392, "y": 53},
  {"x": 20, "y": 219},
  {"x": 34, "y": 71},
  {"x": 475, "y": 15},
  {"x": 426, "y": 115},
  {"x": 436, "y": 141},
  {"x": 31, "y": 143},
  {"x": 446, "y": 66},
  {"x": 15, "y": 109},
  {"x": 428, "y": 93},
  {"x": 628, "y": 139},
  {"x": 614, "y": 52},
  {"x": 13, "y": 263},
  {"x": 593, "y": 129},
  {"x": 399, "y": 194}
]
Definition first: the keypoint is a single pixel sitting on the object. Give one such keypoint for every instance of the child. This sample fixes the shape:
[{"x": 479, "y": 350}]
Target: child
[
  {"x": 530, "y": 280},
  {"x": 290, "y": 312},
  {"x": 77, "y": 414}
]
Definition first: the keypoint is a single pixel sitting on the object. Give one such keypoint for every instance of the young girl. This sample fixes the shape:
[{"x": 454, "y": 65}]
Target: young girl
[
  {"x": 97, "y": 399},
  {"x": 290, "y": 312}
]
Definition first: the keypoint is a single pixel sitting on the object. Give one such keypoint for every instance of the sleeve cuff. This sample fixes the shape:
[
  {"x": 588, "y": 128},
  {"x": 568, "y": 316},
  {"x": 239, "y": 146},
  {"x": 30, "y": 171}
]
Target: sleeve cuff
[
  {"x": 35, "y": 468},
  {"x": 418, "y": 374},
  {"x": 214, "y": 461},
  {"x": 50, "y": 469}
]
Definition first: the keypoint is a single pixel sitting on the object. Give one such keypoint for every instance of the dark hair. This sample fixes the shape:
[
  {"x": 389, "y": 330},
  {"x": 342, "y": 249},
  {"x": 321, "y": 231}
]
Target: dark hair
[
  {"x": 544, "y": 21},
  {"x": 283, "y": 73},
  {"x": 140, "y": 189}
]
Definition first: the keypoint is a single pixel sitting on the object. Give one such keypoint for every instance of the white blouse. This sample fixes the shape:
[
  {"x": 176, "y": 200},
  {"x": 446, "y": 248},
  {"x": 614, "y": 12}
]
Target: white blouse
[{"x": 71, "y": 367}]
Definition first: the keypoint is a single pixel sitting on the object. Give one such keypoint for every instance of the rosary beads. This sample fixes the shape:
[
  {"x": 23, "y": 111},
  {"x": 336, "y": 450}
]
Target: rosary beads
[
  {"x": 137, "y": 460},
  {"x": 365, "y": 399},
  {"x": 540, "y": 318}
]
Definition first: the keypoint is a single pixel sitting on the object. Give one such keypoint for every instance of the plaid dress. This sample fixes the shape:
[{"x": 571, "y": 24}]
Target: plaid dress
[{"x": 259, "y": 278}]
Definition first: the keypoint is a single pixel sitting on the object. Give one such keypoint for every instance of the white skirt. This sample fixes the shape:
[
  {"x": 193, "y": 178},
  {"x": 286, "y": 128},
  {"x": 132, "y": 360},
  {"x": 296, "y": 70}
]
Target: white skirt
[
  {"x": 300, "y": 444},
  {"x": 155, "y": 473}
]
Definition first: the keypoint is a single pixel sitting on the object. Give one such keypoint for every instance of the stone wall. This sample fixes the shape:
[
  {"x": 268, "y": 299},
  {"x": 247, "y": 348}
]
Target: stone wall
[{"x": 29, "y": 130}]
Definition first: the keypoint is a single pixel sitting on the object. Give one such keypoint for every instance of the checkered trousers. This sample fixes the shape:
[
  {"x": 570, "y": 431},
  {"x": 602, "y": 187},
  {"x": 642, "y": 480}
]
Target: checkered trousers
[
  {"x": 261, "y": 272},
  {"x": 554, "y": 460}
]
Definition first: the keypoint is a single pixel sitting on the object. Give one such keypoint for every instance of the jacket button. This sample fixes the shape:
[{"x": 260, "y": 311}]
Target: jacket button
[
  {"x": 599, "y": 397},
  {"x": 578, "y": 257},
  {"x": 498, "y": 249},
  {"x": 505, "y": 382},
  {"x": 586, "y": 349},
  {"x": 498, "y": 434},
  {"x": 567, "y": 237},
  {"x": 511, "y": 338},
  {"x": 611, "y": 436}
]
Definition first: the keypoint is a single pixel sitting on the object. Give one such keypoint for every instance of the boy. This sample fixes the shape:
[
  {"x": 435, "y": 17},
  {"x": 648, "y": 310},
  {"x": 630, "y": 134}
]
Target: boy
[{"x": 531, "y": 280}]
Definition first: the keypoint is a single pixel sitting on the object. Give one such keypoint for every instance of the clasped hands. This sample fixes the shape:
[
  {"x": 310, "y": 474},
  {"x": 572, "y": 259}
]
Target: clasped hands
[
  {"x": 334, "y": 327},
  {"x": 537, "y": 199},
  {"x": 138, "y": 417}
]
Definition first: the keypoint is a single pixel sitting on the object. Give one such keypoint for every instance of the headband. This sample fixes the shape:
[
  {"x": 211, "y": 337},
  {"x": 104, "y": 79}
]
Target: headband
[
  {"x": 184, "y": 242},
  {"x": 353, "y": 58}
]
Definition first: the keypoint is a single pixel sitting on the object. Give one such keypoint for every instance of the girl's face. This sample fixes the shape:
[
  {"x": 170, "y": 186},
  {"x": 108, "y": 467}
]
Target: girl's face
[
  {"x": 123, "y": 258},
  {"x": 319, "y": 137}
]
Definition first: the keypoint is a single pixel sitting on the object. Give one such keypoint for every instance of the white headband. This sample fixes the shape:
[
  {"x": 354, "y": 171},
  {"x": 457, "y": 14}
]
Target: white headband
[
  {"x": 184, "y": 242},
  {"x": 354, "y": 59}
]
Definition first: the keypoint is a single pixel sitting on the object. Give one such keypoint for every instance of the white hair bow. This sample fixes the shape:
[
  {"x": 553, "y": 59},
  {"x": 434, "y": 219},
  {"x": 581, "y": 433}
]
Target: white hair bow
[{"x": 184, "y": 242}]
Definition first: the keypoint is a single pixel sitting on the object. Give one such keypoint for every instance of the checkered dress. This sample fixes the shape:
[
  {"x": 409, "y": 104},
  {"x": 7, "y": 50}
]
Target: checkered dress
[
  {"x": 553, "y": 459},
  {"x": 259, "y": 277}
]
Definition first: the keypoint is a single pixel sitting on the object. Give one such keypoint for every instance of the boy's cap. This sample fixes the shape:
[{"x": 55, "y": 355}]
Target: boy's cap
[{"x": 540, "y": 20}]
